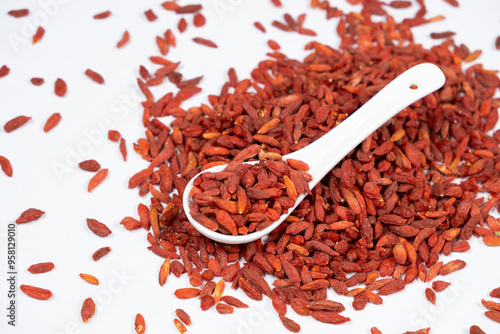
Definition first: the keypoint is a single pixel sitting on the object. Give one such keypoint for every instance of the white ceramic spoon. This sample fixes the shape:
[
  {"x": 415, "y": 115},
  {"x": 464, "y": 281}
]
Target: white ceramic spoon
[{"x": 323, "y": 154}]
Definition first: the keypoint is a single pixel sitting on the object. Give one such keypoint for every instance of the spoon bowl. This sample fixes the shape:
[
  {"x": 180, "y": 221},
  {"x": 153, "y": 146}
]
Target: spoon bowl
[{"x": 324, "y": 153}]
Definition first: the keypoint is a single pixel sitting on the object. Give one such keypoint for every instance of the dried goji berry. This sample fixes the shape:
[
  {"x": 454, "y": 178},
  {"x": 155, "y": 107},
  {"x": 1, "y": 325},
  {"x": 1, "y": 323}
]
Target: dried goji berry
[
  {"x": 15, "y": 123},
  {"x": 19, "y": 12},
  {"x": 29, "y": 215},
  {"x": 97, "y": 179},
  {"x": 52, "y": 122},
  {"x": 40, "y": 268},
  {"x": 102, "y": 15},
  {"x": 98, "y": 254},
  {"x": 38, "y": 35},
  {"x": 124, "y": 40},
  {"x": 94, "y": 76},
  {"x": 6, "y": 166},
  {"x": 98, "y": 228},
  {"x": 60, "y": 87}
]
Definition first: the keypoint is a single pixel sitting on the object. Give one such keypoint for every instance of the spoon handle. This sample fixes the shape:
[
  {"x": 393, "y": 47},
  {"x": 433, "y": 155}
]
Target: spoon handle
[{"x": 323, "y": 154}]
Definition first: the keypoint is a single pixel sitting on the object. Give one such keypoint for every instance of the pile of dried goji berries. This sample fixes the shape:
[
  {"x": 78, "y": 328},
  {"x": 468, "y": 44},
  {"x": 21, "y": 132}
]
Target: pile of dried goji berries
[
  {"x": 377, "y": 221},
  {"x": 244, "y": 198}
]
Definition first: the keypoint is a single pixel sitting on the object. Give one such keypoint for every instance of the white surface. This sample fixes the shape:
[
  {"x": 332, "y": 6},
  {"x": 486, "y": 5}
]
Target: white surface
[
  {"x": 337, "y": 143},
  {"x": 74, "y": 42}
]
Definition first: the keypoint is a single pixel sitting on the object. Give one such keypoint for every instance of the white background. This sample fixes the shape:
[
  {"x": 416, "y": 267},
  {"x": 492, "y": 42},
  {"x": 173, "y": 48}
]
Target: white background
[{"x": 45, "y": 175}]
